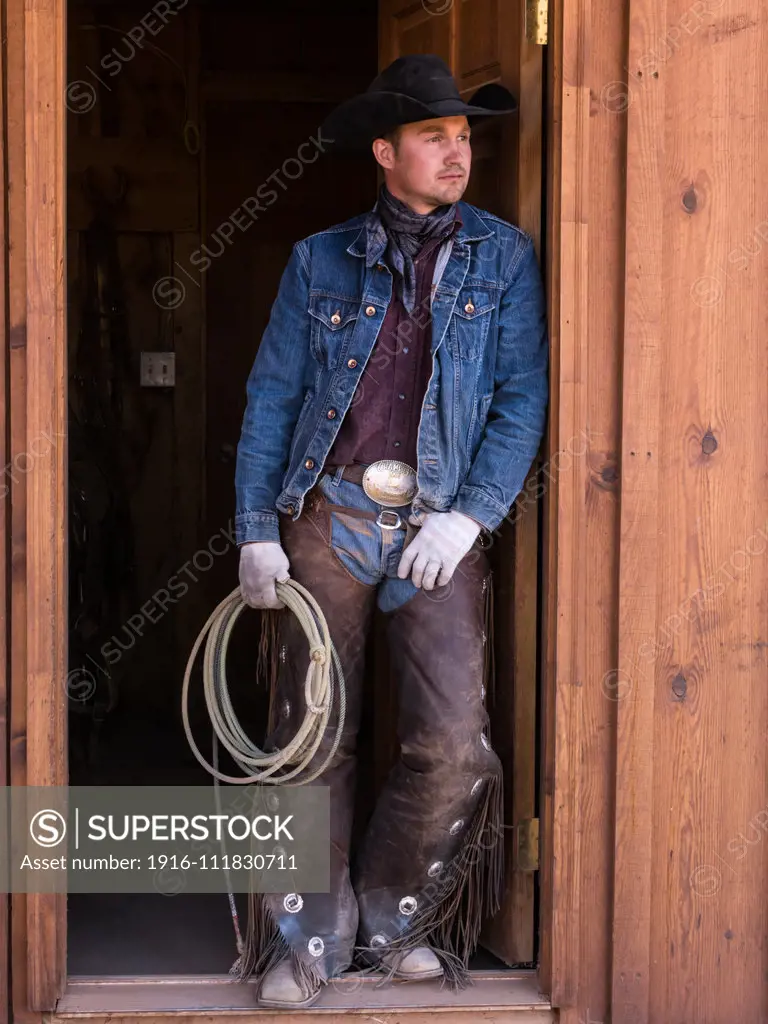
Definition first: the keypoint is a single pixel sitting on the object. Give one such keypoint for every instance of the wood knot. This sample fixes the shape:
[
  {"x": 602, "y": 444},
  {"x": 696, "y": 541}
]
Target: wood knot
[
  {"x": 690, "y": 200},
  {"x": 603, "y": 470},
  {"x": 709, "y": 443},
  {"x": 679, "y": 686}
]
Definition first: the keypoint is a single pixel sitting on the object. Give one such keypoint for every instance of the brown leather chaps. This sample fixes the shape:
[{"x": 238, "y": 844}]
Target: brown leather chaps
[{"x": 429, "y": 867}]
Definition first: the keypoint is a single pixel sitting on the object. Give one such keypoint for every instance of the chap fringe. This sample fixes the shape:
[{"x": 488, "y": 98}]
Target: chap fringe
[{"x": 450, "y": 924}]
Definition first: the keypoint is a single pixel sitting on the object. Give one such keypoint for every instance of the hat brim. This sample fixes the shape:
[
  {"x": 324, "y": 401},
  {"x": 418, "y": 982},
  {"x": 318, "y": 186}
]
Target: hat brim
[{"x": 356, "y": 122}]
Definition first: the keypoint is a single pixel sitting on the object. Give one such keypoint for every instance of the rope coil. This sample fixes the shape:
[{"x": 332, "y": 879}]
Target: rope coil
[{"x": 324, "y": 680}]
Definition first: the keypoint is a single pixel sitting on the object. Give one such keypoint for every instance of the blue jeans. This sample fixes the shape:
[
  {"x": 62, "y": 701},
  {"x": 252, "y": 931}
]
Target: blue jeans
[{"x": 367, "y": 551}]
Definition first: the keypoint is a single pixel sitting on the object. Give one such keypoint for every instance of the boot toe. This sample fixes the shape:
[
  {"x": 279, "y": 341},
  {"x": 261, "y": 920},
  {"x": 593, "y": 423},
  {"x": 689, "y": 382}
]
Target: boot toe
[
  {"x": 420, "y": 962},
  {"x": 280, "y": 988}
]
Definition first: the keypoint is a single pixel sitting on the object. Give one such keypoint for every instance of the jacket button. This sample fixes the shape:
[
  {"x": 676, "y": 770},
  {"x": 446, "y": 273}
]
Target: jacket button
[
  {"x": 469, "y": 308},
  {"x": 352, "y": 363},
  {"x": 370, "y": 310},
  {"x": 379, "y": 266},
  {"x": 331, "y": 414},
  {"x": 291, "y": 509},
  {"x": 309, "y": 464},
  {"x": 336, "y": 319}
]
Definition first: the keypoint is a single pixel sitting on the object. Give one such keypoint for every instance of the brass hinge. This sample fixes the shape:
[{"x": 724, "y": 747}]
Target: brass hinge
[
  {"x": 527, "y": 845},
  {"x": 536, "y": 21}
]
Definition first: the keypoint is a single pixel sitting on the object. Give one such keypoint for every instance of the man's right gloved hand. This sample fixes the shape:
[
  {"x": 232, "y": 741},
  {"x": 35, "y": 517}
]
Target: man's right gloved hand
[{"x": 261, "y": 563}]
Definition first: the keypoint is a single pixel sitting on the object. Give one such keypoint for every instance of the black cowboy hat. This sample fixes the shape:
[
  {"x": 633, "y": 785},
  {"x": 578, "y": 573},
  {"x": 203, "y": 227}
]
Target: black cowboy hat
[{"x": 413, "y": 88}]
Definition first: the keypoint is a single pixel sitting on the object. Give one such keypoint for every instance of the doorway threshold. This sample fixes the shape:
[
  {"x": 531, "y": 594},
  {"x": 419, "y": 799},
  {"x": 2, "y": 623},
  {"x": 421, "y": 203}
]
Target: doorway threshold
[{"x": 512, "y": 996}]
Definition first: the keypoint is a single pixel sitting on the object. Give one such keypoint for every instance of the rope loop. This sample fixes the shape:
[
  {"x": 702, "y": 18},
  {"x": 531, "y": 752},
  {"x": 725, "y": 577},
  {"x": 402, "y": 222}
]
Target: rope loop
[{"x": 324, "y": 678}]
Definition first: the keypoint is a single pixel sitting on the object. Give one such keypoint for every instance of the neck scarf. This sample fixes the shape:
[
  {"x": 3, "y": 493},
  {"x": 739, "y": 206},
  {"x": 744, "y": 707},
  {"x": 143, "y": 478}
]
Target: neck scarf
[{"x": 407, "y": 233}]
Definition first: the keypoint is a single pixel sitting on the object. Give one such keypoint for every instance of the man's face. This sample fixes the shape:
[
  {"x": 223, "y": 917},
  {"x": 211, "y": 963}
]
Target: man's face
[{"x": 432, "y": 162}]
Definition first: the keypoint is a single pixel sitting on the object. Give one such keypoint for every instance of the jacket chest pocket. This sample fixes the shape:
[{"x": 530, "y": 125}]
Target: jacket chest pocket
[
  {"x": 332, "y": 323},
  {"x": 472, "y": 316}
]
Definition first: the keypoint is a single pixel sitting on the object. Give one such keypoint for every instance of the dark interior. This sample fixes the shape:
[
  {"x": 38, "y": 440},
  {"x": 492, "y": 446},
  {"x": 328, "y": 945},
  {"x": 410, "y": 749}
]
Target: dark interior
[{"x": 166, "y": 145}]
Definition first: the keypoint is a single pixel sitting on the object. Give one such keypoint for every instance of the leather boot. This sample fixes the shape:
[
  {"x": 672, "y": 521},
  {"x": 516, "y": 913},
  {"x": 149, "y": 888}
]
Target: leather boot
[{"x": 280, "y": 990}]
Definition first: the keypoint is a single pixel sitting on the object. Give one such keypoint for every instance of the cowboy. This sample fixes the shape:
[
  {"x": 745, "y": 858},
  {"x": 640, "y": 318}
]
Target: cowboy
[{"x": 395, "y": 406}]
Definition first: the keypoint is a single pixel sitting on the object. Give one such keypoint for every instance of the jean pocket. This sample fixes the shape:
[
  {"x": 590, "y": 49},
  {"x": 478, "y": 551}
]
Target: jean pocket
[{"x": 471, "y": 320}]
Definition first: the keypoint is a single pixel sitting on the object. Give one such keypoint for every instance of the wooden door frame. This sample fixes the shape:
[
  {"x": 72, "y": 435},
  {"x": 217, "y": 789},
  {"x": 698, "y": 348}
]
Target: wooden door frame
[
  {"x": 35, "y": 335},
  {"x": 5, "y": 995},
  {"x": 34, "y": 136},
  {"x": 565, "y": 509}
]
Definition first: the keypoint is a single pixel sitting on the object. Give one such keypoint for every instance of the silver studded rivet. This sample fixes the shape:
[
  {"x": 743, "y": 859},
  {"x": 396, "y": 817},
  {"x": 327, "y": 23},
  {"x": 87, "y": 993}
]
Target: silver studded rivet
[
  {"x": 407, "y": 905},
  {"x": 273, "y": 801},
  {"x": 286, "y": 709},
  {"x": 477, "y": 787},
  {"x": 485, "y": 741},
  {"x": 316, "y": 946},
  {"x": 379, "y": 940},
  {"x": 435, "y": 868},
  {"x": 282, "y": 652},
  {"x": 482, "y": 693},
  {"x": 456, "y": 826},
  {"x": 293, "y": 903},
  {"x": 484, "y": 637}
]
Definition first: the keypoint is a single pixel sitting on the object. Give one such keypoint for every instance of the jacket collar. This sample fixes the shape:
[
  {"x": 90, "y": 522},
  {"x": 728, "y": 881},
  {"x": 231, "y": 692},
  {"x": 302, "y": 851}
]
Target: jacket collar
[{"x": 371, "y": 241}]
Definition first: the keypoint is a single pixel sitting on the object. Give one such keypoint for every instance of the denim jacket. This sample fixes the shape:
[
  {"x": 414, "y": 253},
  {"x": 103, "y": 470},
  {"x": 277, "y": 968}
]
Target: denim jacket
[{"x": 483, "y": 413}]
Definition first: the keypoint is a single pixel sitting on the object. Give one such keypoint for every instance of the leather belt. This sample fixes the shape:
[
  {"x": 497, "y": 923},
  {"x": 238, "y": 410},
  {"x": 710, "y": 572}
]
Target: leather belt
[
  {"x": 353, "y": 472},
  {"x": 386, "y": 518}
]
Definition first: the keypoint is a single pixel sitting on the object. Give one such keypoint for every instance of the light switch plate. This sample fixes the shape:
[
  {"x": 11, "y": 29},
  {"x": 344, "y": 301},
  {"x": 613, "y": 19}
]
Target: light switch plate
[{"x": 158, "y": 369}]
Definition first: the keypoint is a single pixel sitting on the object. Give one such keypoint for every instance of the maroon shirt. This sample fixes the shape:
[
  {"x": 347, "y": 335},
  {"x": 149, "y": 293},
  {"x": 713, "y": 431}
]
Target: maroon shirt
[{"x": 383, "y": 419}]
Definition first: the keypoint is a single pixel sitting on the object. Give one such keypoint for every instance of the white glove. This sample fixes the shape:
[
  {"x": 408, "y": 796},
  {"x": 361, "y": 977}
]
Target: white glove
[
  {"x": 438, "y": 547},
  {"x": 261, "y": 563}
]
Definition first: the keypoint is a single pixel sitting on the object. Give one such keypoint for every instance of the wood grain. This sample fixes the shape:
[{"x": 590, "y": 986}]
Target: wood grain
[
  {"x": 586, "y": 161},
  {"x": 496, "y": 997},
  {"x": 690, "y": 917},
  {"x": 5, "y": 521},
  {"x": 17, "y": 310},
  {"x": 46, "y": 624},
  {"x": 565, "y": 849}
]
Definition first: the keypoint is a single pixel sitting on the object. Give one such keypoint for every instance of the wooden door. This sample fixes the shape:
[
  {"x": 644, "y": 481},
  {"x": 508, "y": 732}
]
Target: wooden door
[{"x": 483, "y": 41}]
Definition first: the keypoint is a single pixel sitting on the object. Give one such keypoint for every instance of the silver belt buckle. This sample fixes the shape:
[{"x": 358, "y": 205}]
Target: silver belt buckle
[
  {"x": 389, "y": 523},
  {"x": 390, "y": 482}
]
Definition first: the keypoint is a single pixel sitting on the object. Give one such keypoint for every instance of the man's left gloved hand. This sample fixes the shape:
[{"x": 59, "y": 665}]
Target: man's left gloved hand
[{"x": 441, "y": 543}]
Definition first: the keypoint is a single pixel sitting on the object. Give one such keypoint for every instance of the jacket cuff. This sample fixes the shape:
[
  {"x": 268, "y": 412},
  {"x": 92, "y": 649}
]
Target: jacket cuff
[
  {"x": 478, "y": 505},
  {"x": 251, "y": 526}
]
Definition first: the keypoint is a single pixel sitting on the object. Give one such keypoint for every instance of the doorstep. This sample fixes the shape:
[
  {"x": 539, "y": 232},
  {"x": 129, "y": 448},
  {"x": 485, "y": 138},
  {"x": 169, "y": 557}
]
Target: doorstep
[{"x": 508, "y": 997}]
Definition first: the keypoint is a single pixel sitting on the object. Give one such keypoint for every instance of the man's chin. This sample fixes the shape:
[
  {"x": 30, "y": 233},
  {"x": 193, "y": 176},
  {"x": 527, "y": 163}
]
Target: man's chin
[{"x": 451, "y": 191}]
